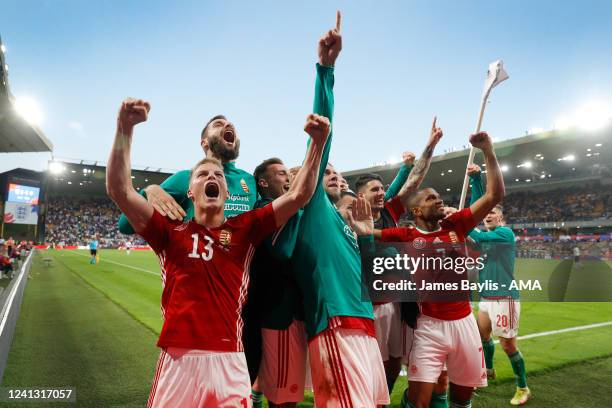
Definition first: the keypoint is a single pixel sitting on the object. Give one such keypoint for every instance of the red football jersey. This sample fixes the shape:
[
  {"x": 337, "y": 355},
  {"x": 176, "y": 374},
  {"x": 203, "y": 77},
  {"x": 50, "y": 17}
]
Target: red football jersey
[
  {"x": 453, "y": 230},
  {"x": 396, "y": 208},
  {"x": 205, "y": 275}
]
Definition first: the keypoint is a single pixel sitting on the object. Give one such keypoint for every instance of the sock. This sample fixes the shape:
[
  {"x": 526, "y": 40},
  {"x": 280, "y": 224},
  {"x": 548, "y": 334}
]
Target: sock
[
  {"x": 461, "y": 404},
  {"x": 405, "y": 403},
  {"x": 518, "y": 366},
  {"x": 390, "y": 385},
  {"x": 488, "y": 347},
  {"x": 438, "y": 400},
  {"x": 257, "y": 398}
]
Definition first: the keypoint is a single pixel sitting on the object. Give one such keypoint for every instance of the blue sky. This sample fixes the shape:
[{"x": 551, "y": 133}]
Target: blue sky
[{"x": 402, "y": 62}]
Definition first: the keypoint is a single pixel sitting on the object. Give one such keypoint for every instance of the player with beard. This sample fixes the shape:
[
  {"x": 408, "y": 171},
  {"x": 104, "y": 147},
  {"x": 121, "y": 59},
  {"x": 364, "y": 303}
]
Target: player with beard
[
  {"x": 446, "y": 331},
  {"x": 205, "y": 268},
  {"x": 276, "y": 301},
  {"x": 331, "y": 182},
  {"x": 219, "y": 140},
  {"x": 498, "y": 310}
]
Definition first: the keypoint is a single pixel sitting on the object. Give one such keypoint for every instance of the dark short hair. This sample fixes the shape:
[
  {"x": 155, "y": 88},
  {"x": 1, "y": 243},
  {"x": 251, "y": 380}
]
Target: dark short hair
[
  {"x": 365, "y": 179},
  {"x": 209, "y": 122},
  {"x": 263, "y": 168}
]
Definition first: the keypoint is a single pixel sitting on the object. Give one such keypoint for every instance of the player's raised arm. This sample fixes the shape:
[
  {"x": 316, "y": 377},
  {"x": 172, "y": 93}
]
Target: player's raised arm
[
  {"x": 118, "y": 171},
  {"x": 495, "y": 182},
  {"x": 305, "y": 181},
  {"x": 330, "y": 44},
  {"x": 476, "y": 185},
  {"x": 402, "y": 175},
  {"x": 418, "y": 173}
]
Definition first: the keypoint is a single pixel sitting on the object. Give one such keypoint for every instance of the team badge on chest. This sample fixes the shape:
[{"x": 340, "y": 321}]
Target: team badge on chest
[
  {"x": 244, "y": 186},
  {"x": 225, "y": 238},
  {"x": 453, "y": 237}
]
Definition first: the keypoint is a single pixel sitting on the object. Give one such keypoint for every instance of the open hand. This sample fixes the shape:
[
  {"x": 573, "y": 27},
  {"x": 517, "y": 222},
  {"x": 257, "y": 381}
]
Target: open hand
[
  {"x": 164, "y": 203},
  {"x": 360, "y": 217}
]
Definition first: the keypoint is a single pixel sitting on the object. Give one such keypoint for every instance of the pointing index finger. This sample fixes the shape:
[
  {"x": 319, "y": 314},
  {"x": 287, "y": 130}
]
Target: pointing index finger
[
  {"x": 433, "y": 126},
  {"x": 338, "y": 21}
]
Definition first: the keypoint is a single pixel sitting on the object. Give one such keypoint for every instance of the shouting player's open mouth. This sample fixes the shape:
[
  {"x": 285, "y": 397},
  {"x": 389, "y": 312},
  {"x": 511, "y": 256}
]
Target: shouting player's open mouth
[
  {"x": 229, "y": 135},
  {"x": 211, "y": 189},
  {"x": 286, "y": 187}
]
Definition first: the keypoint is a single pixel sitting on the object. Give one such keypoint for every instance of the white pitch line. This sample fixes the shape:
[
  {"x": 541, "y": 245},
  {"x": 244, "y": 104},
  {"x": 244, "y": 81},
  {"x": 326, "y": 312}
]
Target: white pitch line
[
  {"x": 569, "y": 329},
  {"x": 121, "y": 264},
  {"x": 525, "y": 337}
]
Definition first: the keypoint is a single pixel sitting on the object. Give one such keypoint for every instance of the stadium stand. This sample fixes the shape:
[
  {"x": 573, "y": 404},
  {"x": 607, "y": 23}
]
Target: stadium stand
[
  {"x": 556, "y": 183},
  {"x": 73, "y": 221}
]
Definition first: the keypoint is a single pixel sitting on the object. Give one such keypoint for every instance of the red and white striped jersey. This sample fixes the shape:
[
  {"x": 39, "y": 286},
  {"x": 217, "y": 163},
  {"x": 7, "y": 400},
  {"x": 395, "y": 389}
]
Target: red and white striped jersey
[{"x": 205, "y": 274}]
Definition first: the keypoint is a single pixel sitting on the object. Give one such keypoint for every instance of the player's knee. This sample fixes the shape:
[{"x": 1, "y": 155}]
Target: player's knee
[{"x": 508, "y": 345}]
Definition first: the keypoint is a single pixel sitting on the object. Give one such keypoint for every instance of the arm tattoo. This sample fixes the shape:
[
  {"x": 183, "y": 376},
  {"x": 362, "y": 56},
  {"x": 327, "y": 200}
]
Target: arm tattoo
[{"x": 418, "y": 173}]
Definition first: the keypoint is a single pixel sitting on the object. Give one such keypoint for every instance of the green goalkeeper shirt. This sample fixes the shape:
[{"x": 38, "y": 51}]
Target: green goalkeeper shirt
[
  {"x": 326, "y": 261},
  {"x": 273, "y": 294},
  {"x": 498, "y": 247},
  {"x": 240, "y": 184}
]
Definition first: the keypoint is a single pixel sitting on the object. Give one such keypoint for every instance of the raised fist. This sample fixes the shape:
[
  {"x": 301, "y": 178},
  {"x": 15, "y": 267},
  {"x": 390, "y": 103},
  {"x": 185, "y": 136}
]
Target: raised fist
[
  {"x": 481, "y": 140},
  {"x": 408, "y": 158},
  {"x": 473, "y": 169},
  {"x": 436, "y": 133},
  {"x": 132, "y": 112},
  {"x": 330, "y": 44},
  {"x": 317, "y": 127}
]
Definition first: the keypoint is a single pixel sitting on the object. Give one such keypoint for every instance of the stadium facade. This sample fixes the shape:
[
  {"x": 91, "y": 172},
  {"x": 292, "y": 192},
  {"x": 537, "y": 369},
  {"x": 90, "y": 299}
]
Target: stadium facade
[{"x": 562, "y": 161}]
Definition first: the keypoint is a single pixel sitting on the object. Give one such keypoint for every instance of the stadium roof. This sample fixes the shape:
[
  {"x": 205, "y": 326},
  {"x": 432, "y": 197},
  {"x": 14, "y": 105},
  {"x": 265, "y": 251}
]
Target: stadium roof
[
  {"x": 16, "y": 134},
  {"x": 82, "y": 177},
  {"x": 543, "y": 160}
]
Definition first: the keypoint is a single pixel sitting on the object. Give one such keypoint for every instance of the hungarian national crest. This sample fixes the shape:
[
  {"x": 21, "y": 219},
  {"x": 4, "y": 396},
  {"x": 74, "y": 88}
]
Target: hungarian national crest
[
  {"x": 244, "y": 185},
  {"x": 225, "y": 237}
]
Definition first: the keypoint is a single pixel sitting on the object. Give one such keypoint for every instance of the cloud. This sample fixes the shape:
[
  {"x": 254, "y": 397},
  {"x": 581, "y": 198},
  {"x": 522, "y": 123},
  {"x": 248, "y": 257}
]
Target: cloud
[{"x": 76, "y": 126}]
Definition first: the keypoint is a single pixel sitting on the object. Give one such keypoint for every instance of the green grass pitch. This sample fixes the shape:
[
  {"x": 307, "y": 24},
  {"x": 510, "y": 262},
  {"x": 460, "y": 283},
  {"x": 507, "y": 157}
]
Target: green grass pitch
[{"x": 95, "y": 327}]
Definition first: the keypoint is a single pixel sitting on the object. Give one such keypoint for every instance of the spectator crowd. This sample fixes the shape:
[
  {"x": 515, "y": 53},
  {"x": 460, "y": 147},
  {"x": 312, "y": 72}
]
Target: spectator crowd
[
  {"x": 74, "y": 221},
  {"x": 569, "y": 204},
  {"x": 565, "y": 204}
]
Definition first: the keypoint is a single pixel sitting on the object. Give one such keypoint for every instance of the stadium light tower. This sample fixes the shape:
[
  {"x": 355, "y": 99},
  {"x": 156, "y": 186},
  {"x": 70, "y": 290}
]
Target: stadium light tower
[
  {"x": 593, "y": 115},
  {"x": 56, "y": 167}
]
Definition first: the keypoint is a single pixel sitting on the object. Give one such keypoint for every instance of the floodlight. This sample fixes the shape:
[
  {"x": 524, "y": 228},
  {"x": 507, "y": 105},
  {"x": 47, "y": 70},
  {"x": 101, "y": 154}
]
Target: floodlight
[
  {"x": 56, "y": 167},
  {"x": 29, "y": 109}
]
